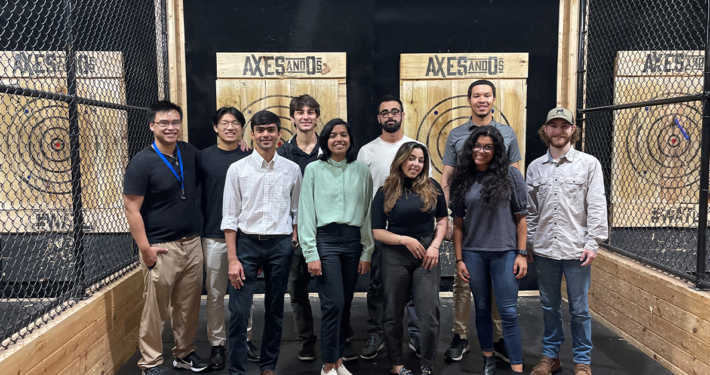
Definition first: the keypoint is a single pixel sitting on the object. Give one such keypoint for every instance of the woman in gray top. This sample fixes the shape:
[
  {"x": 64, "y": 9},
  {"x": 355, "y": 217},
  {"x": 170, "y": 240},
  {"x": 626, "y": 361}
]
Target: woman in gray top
[{"x": 488, "y": 203}]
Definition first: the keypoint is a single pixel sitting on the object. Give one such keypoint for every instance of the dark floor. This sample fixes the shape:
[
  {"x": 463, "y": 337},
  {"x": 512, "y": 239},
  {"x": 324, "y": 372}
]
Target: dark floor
[{"x": 612, "y": 355}]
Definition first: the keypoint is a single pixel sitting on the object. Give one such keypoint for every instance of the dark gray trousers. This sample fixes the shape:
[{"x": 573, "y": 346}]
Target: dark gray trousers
[
  {"x": 298, "y": 279},
  {"x": 403, "y": 275}
]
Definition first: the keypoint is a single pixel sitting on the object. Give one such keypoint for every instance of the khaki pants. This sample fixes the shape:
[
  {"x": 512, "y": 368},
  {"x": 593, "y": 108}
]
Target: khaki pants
[
  {"x": 172, "y": 290},
  {"x": 462, "y": 311},
  {"x": 216, "y": 270}
]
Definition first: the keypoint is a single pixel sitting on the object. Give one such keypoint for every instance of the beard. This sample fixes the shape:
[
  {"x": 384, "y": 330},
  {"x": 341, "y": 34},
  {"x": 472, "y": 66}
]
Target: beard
[{"x": 391, "y": 127}]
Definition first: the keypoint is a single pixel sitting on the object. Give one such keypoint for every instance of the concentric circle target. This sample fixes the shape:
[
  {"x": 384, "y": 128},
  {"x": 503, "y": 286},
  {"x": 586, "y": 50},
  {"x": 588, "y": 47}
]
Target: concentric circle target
[
  {"x": 663, "y": 144},
  {"x": 254, "y": 107},
  {"x": 438, "y": 121}
]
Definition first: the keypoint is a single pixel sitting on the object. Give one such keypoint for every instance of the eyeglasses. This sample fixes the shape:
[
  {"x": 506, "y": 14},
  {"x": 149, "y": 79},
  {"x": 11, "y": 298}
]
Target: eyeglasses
[
  {"x": 480, "y": 147},
  {"x": 164, "y": 124},
  {"x": 227, "y": 123},
  {"x": 393, "y": 112}
]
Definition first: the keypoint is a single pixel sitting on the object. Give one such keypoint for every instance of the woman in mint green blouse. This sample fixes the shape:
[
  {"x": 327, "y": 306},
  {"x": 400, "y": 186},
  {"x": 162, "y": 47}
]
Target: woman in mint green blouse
[{"x": 335, "y": 232}]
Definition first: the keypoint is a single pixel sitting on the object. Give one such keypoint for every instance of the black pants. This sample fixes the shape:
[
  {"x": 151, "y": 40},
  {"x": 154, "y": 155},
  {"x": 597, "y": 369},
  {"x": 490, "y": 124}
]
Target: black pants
[
  {"x": 404, "y": 275},
  {"x": 339, "y": 249},
  {"x": 274, "y": 256},
  {"x": 298, "y": 279}
]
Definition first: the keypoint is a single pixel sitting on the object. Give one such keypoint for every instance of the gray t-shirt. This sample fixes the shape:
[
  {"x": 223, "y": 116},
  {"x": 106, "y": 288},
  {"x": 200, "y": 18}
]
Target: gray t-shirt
[
  {"x": 492, "y": 228},
  {"x": 457, "y": 137}
]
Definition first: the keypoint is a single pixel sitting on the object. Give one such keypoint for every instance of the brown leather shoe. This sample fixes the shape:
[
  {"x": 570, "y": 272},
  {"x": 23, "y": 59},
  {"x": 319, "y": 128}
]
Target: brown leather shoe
[
  {"x": 547, "y": 366},
  {"x": 267, "y": 372},
  {"x": 581, "y": 369}
]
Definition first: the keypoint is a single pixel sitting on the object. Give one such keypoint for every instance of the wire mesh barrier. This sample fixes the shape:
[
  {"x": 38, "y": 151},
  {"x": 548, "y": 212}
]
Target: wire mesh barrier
[
  {"x": 642, "y": 94},
  {"x": 75, "y": 78}
]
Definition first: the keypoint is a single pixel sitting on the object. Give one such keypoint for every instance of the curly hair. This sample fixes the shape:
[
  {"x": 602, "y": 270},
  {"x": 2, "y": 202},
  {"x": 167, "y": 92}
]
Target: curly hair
[
  {"x": 421, "y": 185},
  {"x": 495, "y": 180},
  {"x": 576, "y": 135}
]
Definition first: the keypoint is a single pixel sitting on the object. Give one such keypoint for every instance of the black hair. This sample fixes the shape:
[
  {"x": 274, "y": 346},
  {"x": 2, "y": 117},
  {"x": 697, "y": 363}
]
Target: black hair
[
  {"x": 162, "y": 106},
  {"x": 265, "y": 117},
  {"x": 390, "y": 98},
  {"x": 325, "y": 135},
  {"x": 223, "y": 111},
  {"x": 304, "y": 100},
  {"x": 495, "y": 180},
  {"x": 481, "y": 82}
]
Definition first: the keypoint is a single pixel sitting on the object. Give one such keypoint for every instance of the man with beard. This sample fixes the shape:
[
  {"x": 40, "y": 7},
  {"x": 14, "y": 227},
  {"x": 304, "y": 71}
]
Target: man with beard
[
  {"x": 260, "y": 204},
  {"x": 378, "y": 155},
  {"x": 481, "y": 98},
  {"x": 567, "y": 219}
]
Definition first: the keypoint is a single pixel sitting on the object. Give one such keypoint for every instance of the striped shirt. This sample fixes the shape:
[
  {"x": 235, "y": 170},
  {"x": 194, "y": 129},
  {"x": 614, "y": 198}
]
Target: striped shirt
[{"x": 261, "y": 197}]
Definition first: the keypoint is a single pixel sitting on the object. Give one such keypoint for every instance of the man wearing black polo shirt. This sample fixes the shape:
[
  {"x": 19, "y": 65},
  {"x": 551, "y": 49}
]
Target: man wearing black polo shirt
[
  {"x": 212, "y": 165},
  {"x": 160, "y": 198}
]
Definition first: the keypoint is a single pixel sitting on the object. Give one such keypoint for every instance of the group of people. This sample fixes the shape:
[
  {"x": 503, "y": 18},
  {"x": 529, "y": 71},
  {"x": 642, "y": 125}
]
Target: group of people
[{"x": 313, "y": 207}]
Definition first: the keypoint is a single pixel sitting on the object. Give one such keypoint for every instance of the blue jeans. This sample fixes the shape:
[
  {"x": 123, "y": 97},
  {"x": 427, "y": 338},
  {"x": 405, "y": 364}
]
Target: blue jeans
[
  {"x": 274, "y": 256},
  {"x": 495, "y": 268},
  {"x": 339, "y": 249},
  {"x": 549, "y": 279}
]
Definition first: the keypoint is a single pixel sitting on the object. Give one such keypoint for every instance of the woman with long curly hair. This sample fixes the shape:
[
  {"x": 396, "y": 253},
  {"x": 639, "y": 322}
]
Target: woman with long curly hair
[
  {"x": 488, "y": 203},
  {"x": 404, "y": 213}
]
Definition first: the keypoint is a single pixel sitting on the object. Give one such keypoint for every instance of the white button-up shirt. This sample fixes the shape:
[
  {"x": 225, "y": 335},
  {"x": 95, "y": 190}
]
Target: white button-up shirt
[
  {"x": 261, "y": 197},
  {"x": 566, "y": 205}
]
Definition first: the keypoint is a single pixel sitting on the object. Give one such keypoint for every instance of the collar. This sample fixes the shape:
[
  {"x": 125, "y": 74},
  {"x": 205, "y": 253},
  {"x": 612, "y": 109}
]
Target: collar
[
  {"x": 570, "y": 155},
  {"x": 261, "y": 163},
  {"x": 472, "y": 126},
  {"x": 339, "y": 164},
  {"x": 293, "y": 138}
]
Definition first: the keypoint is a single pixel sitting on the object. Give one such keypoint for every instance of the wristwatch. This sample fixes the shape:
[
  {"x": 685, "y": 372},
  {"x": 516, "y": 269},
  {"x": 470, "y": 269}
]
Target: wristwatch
[
  {"x": 294, "y": 243},
  {"x": 523, "y": 252}
]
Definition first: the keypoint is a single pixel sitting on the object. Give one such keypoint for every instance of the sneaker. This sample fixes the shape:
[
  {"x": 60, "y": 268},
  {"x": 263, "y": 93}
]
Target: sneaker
[
  {"x": 415, "y": 345},
  {"x": 349, "y": 352},
  {"x": 252, "y": 352},
  {"x": 153, "y": 371},
  {"x": 582, "y": 369},
  {"x": 500, "y": 351},
  {"x": 373, "y": 346},
  {"x": 343, "y": 371},
  {"x": 426, "y": 370},
  {"x": 547, "y": 366},
  {"x": 192, "y": 362},
  {"x": 404, "y": 371},
  {"x": 457, "y": 349},
  {"x": 307, "y": 352},
  {"x": 217, "y": 357},
  {"x": 331, "y": 372}
]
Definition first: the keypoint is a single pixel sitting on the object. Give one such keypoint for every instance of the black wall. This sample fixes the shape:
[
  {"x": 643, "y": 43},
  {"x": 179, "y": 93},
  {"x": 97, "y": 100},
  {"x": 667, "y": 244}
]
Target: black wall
[{"x": 373, "y": 33}]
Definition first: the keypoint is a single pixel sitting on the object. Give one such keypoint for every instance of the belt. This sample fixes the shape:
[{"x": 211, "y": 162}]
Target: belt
[
  {"x": 185, "y": 239},
  {"x": 262, "y": 237}
]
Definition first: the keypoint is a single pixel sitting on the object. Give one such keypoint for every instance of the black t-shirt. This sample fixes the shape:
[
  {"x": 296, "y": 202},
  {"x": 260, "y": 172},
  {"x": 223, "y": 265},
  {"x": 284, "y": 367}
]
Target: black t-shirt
[
  {"x": 166, "y": 216},
  {"x": 406, "y": 217},
  {"x": 290, "y": 151},
  {"x": 212, "y": 166}
]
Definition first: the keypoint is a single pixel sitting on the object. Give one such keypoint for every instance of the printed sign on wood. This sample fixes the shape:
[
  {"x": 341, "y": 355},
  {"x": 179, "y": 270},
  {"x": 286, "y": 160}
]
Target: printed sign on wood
[
  {"x": 35, "y": 186},
  {"x": 434, "y": 87},
  {"x": 256, "y": 81},
  {"x": 656, "y": 149}
]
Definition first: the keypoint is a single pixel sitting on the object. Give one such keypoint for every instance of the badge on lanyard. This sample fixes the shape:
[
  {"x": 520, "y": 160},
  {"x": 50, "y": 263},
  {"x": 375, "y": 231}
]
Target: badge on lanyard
[{"x": 180, "y": 178}]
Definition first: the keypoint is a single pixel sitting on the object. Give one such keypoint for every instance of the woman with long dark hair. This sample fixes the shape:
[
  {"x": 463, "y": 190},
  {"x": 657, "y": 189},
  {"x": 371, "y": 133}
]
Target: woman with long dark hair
[
  {"x": 409, "y": 217},
  {"x": 335, "y": 231},
  {"x": 488, "y": 203}
]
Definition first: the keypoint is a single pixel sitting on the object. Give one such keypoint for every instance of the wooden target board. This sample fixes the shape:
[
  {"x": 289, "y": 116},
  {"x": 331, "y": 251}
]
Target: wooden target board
[
  {"x": 434, "y": 89},
  {"x": 656, "y": 149},
  {"x": 252, "y": 82},
  {"x": 35, "y": 186}
]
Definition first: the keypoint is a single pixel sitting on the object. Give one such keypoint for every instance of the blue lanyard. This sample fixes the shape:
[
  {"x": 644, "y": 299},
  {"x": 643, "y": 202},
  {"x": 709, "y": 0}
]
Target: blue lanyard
[{"x": 180, "y": 178}]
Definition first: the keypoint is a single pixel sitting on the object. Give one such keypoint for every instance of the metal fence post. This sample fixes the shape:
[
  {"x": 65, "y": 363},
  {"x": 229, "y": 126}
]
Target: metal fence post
[
  {"x": 75, "y": 155},
  {"x": 701, "y": 255}
]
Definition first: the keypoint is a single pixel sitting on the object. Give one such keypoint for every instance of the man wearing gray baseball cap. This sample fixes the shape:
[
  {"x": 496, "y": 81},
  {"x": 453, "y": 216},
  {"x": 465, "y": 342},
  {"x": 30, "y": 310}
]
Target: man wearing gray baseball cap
[{"x": 567, "y": 219}]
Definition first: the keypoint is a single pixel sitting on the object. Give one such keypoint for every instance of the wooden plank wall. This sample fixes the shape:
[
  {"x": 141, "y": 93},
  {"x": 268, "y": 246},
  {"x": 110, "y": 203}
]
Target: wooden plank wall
[
  {"x": 567, "y": 54},
  {"x": 176, "y": 59},
  {"x": 434, "y": 88},
  {"x": 96, "y": 336},
  {"x": 662, "y": 316},
  {"x": 252, "y": 82}
]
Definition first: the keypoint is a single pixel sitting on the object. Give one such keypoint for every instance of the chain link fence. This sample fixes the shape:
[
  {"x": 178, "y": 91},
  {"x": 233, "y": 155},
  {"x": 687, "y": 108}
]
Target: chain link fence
[
  {"x": 642, "y": 96},
  {"x": 75, "y": 78}
]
